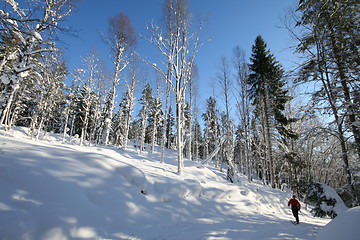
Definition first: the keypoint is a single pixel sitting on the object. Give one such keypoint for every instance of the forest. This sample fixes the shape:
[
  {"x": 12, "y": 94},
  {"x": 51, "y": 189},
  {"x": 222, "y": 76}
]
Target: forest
[{"x": 271, "y": 137}]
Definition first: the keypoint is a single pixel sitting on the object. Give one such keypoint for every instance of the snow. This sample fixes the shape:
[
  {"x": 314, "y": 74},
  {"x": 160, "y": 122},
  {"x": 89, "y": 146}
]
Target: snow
[
  {"x": 55, "y": 191},
  {"x": 344, "y": 226},
  {"x": 37, "y": 36},
  {"x": 24, "y": 74},
  {"x": 340, "y": 206},
  {"x": 330, "y": 193},
  {"x": 5, "y": 79}
]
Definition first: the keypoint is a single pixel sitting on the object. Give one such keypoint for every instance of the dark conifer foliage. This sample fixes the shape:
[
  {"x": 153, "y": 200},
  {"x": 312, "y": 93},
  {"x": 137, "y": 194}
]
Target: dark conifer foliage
[{"x": 269, "y": 96}]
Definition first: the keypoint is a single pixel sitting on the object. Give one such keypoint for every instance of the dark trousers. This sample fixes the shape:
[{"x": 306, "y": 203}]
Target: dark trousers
[{"x": 295, "y": 212}]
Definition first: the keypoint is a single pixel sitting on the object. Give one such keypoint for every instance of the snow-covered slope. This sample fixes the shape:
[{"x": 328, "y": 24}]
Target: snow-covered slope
[
  {"x": 344, "y": 226},
  {"x": 52, "y": 191}
]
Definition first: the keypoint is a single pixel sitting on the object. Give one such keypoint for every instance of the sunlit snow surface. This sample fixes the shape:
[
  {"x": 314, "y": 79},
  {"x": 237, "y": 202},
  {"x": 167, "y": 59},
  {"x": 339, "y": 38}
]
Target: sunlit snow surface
[{"x": 53, "y": 191}]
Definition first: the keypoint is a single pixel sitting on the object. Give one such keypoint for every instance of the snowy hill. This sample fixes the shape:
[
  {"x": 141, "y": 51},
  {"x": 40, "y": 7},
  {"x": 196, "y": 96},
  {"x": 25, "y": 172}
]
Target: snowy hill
[{"x": 52, "y": 191}]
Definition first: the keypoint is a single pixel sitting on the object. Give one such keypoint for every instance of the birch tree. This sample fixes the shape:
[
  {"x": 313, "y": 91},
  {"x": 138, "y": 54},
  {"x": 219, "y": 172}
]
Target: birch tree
[
  {"x": 193, "y": 95},
  {"x": 68, "y": 111},
  {"x": 129, "y": 106},
  {"x": 243, "y": 106},
  {"x": 121, "y": 39},
  {"x": 179, "y": 46},
  {"x": 166, "y": 138},
  {"x": 225, "y": 82}
]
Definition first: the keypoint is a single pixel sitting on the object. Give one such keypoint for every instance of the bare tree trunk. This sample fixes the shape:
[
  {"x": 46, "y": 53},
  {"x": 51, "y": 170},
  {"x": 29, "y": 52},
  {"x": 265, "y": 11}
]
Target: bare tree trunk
[
  {"x": 175, "y": 46},
  {"x": 346, "y": 91},
  {"x": 10, "y": 100},
  {"x": 109, "y": 114},
  {"x": 131, "y": 90},
  {"x": 339, "y": 122},
  {"x": 84, "y": 126},
  {"x": 269, "y": 154},
  {"x": 243, "y": 104},
  {"x": 67, "y": 114}
]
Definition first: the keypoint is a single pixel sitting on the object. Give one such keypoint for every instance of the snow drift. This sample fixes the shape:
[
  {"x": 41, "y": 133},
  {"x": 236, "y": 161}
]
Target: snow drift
[{"x": 344, "y": 226}]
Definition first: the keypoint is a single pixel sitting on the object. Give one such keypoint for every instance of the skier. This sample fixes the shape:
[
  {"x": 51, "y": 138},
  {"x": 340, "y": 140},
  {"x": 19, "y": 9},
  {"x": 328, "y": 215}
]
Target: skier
[{"x": 295, "y": 207}]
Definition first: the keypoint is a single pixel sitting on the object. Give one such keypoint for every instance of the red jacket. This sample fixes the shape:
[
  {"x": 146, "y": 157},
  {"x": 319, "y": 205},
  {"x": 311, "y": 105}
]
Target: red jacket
[{"x": 294, "y": 203}]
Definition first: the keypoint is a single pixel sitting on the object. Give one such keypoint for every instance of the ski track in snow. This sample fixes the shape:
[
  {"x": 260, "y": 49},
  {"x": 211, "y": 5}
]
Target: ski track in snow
[{"x": 59, "y": 191}]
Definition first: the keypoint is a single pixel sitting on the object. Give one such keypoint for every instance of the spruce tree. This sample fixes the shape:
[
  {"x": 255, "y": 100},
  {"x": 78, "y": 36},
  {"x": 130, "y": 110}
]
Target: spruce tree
[
  {"x": 146, "y": 101},
  {"x": 197, "y": 141},
  {"x": 155, "y": 121},
  {"x": 269, "y": 98},
  {"x": 212, "y": 135},
  {"x": 170, "y": 123}
]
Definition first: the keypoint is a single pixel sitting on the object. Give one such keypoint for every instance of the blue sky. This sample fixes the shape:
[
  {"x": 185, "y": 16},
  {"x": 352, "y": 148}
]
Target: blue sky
[{"x": 229, "y": 23}]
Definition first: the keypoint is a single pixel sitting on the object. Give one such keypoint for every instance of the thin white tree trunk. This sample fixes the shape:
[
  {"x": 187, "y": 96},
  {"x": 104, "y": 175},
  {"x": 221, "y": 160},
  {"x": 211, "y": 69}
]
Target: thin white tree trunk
[
  {"x": 180, "y": 144},
  {"x": 10, "y": 99}
]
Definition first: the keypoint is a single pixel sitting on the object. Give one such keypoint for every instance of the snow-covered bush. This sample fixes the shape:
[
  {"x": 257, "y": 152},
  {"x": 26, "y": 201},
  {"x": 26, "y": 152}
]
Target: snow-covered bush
[{"x": 325, "y": 200}]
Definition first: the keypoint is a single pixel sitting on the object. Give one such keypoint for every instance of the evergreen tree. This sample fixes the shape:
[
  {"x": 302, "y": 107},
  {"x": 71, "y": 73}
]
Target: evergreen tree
[
  {"x": 187, "y": 130},
  {"x": 124, "y": 115},
  {"x": 170, "y": 123},
  {"x": 213, "y": 139},
  {"x": 135, "y": 130},
  {"x": 119, "y": 123},
  {"x": 197, "y": 141},
  {"x": 239, "y": 150},
  {"x": 154, "y": 122},
  {"x": 95, "y": 120},
  {"x": 269, "y": 97},
  {"x": 147, "y": 100}
]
